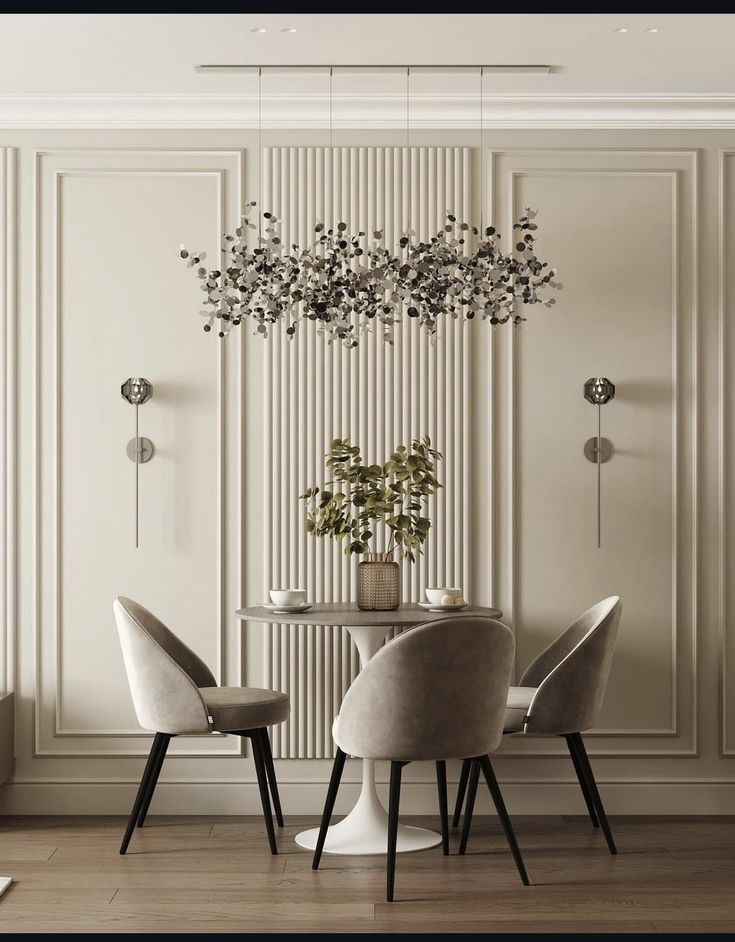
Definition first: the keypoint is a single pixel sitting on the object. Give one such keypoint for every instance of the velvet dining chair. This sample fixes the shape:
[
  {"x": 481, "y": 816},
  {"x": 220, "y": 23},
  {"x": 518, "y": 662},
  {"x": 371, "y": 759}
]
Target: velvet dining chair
[
  {"x": 175, "y": 694},
  {"x": 434, "y": 693},
  {"x": 560, "y": 694}
]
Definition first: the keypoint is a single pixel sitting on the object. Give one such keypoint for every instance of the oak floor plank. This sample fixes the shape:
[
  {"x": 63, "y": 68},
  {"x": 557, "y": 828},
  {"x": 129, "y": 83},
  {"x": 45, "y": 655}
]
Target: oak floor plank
[
  {"x": 215, "y": 874},
  {"x": 22, "y": 850},
  {"x": 23, "y": 895},
  {"x": 695, "y": 926}
]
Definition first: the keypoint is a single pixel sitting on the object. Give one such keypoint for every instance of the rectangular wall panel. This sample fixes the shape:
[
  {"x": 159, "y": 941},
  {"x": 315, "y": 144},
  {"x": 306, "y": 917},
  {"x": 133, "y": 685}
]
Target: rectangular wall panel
[
  {"x": 377, "y": 395},
  {"x": 727, "y": 447},
  {"x": 621, "y": 227},
  {"x": 8, "y": 355},
  {"x": 115, "y": 300}
]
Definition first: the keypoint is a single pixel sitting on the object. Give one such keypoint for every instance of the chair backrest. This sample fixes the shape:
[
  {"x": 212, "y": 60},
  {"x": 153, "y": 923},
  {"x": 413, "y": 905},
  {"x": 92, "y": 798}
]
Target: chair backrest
[
  {"x": 435, "y": 692},
  {"x": 163, "y": 673},
  {"x": 572, "y": 673}
]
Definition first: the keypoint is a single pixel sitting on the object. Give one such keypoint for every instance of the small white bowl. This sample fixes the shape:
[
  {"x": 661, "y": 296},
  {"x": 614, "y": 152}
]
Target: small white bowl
[
  {"x": 435, "y": 596},
  {"x": 288, "y": 596}
]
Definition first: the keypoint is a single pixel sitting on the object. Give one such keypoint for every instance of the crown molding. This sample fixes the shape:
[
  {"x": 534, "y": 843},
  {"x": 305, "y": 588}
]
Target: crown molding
[{"x": 427, "y": 111}]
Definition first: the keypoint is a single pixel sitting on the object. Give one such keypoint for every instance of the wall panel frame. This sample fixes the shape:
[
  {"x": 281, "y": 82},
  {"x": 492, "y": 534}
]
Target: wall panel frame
[
  {"x": 8, "y": 450},
  {"x": 52, "y": 171},
  {"x": 679, "y": 168}
]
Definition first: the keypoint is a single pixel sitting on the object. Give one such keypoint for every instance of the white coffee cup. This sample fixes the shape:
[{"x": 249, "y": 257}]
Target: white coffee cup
[
  {"x": 288, "y": 596},
  {"x": 439, "y": 596}
]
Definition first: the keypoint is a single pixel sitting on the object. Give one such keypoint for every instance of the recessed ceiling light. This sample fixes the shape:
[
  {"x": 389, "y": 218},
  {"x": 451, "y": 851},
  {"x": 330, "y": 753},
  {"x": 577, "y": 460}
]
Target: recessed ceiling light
[
  {"x": 651, "y": 29},
  {"x": 288, "y": 29},
  {"x": 620, "y": 29},
  {"x": 259, "y": 29}
]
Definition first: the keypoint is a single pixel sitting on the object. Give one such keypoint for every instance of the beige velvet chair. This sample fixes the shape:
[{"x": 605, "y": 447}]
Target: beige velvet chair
[
  {"x": 174, "y": 693},
  {"x": 434, "y": 693},
  {"x": 560, "y": 694}
]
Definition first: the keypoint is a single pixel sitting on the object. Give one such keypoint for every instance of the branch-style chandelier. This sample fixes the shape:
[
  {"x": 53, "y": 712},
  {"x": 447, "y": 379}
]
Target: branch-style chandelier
[{"x": 346, "y": 281}]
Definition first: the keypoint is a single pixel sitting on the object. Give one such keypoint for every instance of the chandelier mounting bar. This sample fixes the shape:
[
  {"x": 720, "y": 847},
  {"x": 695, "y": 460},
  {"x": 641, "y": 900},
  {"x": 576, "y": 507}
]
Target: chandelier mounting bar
[{"x": 387, "y": 67}]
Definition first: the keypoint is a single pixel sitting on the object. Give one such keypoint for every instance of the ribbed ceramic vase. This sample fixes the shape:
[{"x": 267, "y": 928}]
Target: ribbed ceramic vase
[{"x": 378, "y": 583}]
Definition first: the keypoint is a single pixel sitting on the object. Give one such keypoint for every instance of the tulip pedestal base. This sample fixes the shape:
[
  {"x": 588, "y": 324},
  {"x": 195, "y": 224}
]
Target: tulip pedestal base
[{"x": 365, "y": 829}]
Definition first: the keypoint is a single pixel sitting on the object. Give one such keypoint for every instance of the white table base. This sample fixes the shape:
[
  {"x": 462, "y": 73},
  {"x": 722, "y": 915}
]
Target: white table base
[{"x": 365, "y": 829}]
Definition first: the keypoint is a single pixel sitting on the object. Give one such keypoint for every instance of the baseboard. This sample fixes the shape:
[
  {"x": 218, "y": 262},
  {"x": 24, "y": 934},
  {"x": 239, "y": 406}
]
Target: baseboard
[{"x": 644, "y": 798}]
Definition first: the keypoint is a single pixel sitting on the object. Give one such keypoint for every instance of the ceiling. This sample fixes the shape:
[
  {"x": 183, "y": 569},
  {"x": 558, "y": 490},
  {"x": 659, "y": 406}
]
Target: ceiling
[{"x": 155, "y": 54}]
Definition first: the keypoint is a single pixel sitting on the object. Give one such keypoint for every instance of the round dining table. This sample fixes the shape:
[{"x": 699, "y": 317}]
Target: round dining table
[{"x": 365, "y": 829}]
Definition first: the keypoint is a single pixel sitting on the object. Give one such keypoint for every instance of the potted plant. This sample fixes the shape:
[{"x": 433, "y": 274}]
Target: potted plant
[{"x": 377, "y": 505}]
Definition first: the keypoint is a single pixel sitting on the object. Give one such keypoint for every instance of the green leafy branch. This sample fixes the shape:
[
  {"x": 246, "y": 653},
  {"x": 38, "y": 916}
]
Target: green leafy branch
[{"x": 359, "y": 498}]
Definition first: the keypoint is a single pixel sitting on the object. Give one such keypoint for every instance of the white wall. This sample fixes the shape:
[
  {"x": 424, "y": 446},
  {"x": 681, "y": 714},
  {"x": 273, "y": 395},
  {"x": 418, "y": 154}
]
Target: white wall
[{"x": 93, "y": 291}]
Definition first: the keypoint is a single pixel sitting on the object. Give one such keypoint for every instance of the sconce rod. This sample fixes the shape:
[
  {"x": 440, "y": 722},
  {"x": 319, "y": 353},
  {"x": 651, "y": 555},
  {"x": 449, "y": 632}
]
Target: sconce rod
[
  {"x": 599, "y": 475},
  {"x": 137, "y": 468}
]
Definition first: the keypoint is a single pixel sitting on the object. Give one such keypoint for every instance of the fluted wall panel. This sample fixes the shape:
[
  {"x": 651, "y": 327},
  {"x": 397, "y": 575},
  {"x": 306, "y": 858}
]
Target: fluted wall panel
[{"x": 378, "y": 395}]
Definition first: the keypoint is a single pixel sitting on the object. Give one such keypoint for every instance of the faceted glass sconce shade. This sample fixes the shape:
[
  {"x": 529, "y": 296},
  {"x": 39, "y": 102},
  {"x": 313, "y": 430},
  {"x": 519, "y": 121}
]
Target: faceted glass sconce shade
[
  {"x": 136, "y": 390},
  {"x": 598, "y": 390}
]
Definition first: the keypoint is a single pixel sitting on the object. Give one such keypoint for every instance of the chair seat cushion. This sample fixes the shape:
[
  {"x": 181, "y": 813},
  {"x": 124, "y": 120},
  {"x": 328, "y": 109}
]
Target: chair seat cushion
[
  {"x": 236, "y": 708},
  {"x": 516, "y": 709}
]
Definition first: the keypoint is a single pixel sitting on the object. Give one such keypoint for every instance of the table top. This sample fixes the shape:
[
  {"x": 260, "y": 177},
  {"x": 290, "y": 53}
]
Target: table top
[{"x": 348, "y": 615}]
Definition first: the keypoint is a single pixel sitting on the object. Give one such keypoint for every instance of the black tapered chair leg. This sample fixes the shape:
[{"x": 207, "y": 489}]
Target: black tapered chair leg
[
  {"x": 461, "y": 789},
  {"x": 259, "y": 760},
  {"x": 394, "y": 801},
  {"x": 155, "y": 772},
  {"x": 441, "y": 784},
  {"x": 335, "y": 779},
  {"x": 271, "y": 770},
  {"x": 472, "y": 780},
  {"x": 142, "y": 791},
  {"x": 593, "y": 791},
  {"x": 497, "y": 796},
  {"x": 582, "y": 781}
]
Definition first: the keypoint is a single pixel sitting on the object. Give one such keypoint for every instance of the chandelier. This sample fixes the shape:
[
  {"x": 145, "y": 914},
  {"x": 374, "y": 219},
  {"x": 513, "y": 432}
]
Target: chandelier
[{"x": 346, "y": 281}]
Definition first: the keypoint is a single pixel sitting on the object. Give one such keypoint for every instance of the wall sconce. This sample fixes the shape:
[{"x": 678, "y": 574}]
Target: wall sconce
[
  {"x": 136, "y": 390},
  {"x": 598, "y": 390}
]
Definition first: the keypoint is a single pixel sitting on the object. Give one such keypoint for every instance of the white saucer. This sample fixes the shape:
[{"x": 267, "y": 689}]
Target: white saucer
[
  {"x": 288, "y": 609},
  {"x": 430, "y": 607}
]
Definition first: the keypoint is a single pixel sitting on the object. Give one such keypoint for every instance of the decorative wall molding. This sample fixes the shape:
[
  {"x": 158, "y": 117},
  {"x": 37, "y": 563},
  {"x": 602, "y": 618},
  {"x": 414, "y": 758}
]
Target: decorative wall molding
[
  {"x": 680, "y": 168},
  {"x": 51, "y": 169},
  {"x": 380, "y": 395},
  {"x": 302, "y": 111},
  {"x": 59, "y": 176},
  {"x": 725, "y": 504},
  {"x": 8, "y": 450}
]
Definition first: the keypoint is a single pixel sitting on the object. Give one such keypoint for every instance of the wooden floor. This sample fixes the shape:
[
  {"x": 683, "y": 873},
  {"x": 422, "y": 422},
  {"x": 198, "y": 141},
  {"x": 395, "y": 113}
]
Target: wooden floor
[{"x": 215, "y": 875}]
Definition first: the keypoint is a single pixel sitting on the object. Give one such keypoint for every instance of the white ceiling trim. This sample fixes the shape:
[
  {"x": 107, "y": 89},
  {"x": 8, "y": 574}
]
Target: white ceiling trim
[{"x": 369, "y": 111}]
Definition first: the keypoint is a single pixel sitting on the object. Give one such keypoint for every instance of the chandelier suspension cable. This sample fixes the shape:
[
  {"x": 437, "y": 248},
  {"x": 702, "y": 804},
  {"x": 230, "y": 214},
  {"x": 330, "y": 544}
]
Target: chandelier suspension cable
[
  {"x": 408, "y": 177},
  {"x": 482, "y": 153},
  {"x": 329, "y": 159},
  {"x": 260, "y": 154},
  {"x": 408, "y": 149},
  {"x": 333, "y": 221}
]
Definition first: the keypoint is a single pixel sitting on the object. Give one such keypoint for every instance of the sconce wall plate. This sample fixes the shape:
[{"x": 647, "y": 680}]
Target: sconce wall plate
[
  {"x": 590, "y": 450},
  {"x": 141, "y": 449}
]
